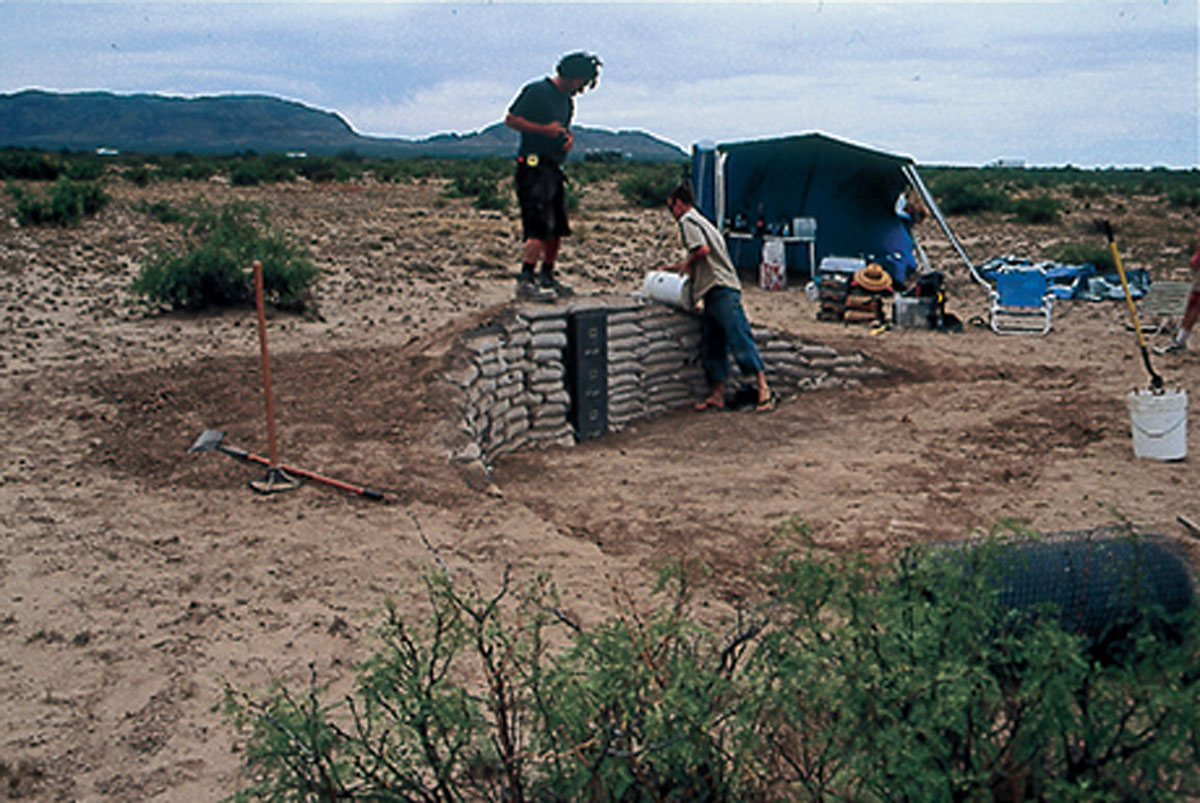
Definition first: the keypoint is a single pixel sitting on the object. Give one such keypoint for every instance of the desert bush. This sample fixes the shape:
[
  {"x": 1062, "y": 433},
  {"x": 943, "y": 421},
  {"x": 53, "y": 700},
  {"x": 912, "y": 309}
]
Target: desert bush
[
  {"x": 162, "y": 211},
  {"x": 492, "y": 197},
  {"x": 65, "y": 204},
  {"x": 1036, "y": 209},
  {"x": 403, "y": 171},
  {"x": 18, "y": 163},
  {"x": 1074, "y": 253},
  {"x": 138, "y": 175},
  {"x": 647, "y": 186},
  {"x": 469, "y": 176},
  {"x": 586, "y": 172},
  {"x": 251, "y": 170},
  {"x": 1184, "y": 197},
  {"x": 962, "y": 194},
  {"x": 1079, "y": 182},
  {"x": 321, "y": 169},
  {"x": 1086, "y": 191},
  {"x": 487, "y": 181},
  {"x": 850, "y": 681},
  {"x": 184, "y": 167},
  {"x": 212, "y": 271},
  {"x": 85, "y": 168}
]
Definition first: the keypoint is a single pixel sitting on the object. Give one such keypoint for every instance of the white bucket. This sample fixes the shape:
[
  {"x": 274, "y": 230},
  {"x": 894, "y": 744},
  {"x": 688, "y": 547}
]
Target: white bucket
[
  {"x": 668, "y": 287},
  {"x": 1159, "y": 423}
]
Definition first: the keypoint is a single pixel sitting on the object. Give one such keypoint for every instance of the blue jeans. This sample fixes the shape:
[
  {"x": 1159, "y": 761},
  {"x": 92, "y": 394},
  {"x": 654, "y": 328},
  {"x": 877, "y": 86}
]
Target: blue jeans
[{"x": 724, "y": 330}]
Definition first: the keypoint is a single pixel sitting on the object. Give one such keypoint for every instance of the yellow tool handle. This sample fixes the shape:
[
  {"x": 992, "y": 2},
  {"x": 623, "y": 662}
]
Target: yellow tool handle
[{"x": 1112, "y": 246}]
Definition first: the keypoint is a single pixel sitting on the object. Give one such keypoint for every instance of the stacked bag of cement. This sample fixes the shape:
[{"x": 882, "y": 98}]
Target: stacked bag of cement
[
  {"x": 652, "y": 362},
  {"x": 866, "y": 294}
]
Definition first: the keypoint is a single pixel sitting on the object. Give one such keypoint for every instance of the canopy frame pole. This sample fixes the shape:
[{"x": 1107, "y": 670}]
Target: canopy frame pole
[
  {"x": 719, "y": 188},
  {"x": 914, "y": 178}
]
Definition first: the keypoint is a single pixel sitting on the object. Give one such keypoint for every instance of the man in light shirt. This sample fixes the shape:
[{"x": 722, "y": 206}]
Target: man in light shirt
[{"x": 714, "y": 281}]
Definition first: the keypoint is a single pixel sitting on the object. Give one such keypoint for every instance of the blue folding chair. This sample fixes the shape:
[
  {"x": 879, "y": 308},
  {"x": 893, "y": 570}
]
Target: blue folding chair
[{"x": 1022, "y": 303}]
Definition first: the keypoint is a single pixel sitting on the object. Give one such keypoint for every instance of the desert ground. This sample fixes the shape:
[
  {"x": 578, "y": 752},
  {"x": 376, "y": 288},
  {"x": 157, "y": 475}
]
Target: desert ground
[{"x": 136, "y": 580}]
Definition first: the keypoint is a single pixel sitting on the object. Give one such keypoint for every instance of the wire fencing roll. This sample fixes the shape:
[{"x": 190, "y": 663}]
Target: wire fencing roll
[{"x": 1100, "y": 584}]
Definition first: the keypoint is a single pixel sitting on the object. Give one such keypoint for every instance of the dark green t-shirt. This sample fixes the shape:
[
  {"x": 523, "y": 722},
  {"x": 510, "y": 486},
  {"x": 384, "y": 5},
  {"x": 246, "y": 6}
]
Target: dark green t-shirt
[{"x": 542, "y": 102}]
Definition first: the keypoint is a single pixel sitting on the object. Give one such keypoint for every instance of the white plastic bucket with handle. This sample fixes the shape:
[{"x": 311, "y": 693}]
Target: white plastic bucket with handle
[
  {"x": 1159, "y": 423},
  {"x": 668, "y": 287}
]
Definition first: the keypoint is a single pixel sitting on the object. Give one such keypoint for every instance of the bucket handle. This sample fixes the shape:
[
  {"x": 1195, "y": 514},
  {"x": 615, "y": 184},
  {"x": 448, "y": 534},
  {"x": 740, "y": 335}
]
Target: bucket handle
[{"x": 1160, "y": 433}]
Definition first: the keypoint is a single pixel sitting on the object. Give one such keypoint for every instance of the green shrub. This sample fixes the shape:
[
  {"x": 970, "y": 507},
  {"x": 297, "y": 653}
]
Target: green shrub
[
  {"x": 254, "y": 170},
  {"x": 572, "y": 192},
  {"x": 163, "y": 212},
  {"x": 183, "y": 167},
  {"x": 492, "y": 197},
  {"x": 66, "y": 204},
  {"x": 487, "y": 181},
  {"x": 647, "y": 186},
  {"x": 966, "y": 195},
  {"x": 1038, "y": 209},
  {"x": 470, "y": 177},
  {"x": 1184, "y": 197},
  {"x": 18, "y": 163},
  {"x": 1080, "y": 254},
  {"x": 321, "y": 170},
  {"x": 213, "y": 269},
  {"x": 138, "y": 175},
  {"x": 408, "y": 170},
  {"x": 850, "y": 682},
  {"x": 85, "y": 168},
  {"x": 1088, "y": 191}
]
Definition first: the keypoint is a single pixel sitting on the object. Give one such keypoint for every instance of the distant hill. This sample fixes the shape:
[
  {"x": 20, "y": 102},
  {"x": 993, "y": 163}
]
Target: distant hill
[{"x": 87, "y": 121}]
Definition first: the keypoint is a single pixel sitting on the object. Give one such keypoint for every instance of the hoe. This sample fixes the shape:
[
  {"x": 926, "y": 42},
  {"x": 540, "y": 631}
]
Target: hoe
[
  {"x": 210, "y": 441},
  {"x": 279, "y": 477}
]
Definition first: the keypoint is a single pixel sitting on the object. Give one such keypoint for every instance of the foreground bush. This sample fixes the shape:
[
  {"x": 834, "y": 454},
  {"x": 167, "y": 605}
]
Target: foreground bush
[
  {"x": 212, "y": 271},
  {"x": 67, "y": 202},
  {"x": 909, "y": 683}
]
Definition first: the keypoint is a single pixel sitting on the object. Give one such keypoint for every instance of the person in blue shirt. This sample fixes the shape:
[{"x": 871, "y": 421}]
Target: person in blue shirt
[{"x": 542, "y": 113}]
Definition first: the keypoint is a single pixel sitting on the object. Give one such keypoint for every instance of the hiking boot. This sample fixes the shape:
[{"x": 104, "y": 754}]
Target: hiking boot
[
  {"x": 529, "y": 290},
  {"x": 1171, "y": 348},
  {"x": 555, "y": 286}
]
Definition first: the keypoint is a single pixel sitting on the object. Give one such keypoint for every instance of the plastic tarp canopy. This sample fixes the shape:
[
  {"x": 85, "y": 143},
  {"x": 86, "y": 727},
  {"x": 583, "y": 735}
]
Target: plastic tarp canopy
[{"x": 850, "y": 190}]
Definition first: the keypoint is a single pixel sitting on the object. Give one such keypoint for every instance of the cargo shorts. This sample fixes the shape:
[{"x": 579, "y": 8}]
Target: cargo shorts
[{"x": 541, "y": 192}]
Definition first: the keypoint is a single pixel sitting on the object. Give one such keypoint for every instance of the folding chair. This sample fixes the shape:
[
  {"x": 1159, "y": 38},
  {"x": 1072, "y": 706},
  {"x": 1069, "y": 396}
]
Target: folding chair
[{"x": 1022, "y": 302}]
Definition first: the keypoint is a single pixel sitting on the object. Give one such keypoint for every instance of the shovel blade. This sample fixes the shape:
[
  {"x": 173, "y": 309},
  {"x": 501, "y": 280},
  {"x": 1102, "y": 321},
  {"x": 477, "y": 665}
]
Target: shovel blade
[{"x": 209, "y": 440}]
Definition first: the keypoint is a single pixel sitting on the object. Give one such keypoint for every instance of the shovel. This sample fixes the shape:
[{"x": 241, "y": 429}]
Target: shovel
[
  {"x": 1156, "y": 381},
  {"x": 210, "y": 441}
]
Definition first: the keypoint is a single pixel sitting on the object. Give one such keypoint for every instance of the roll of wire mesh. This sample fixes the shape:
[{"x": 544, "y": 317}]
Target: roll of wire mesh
[{"x": 1101, "y": 584}]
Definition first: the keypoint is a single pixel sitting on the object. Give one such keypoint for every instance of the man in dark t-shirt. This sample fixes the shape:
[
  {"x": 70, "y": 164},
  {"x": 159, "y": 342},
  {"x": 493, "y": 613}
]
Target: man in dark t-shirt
[{"x": 542, "y": 113}]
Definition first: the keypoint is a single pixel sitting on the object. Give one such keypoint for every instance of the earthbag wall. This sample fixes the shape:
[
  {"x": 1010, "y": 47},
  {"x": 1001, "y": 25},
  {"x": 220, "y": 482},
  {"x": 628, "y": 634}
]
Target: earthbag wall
[{"x": 510, "y": 379}]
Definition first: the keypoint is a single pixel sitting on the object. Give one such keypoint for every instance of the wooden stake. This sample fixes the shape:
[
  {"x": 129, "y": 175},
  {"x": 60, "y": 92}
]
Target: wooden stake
[{"x": 272, "y": 444}]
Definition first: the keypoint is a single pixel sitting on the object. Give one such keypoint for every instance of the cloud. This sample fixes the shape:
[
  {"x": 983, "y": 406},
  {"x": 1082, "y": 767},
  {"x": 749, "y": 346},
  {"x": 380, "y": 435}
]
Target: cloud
[
  {"x": 456, "y": 105},
  {"x": 1087, "y": 81}
]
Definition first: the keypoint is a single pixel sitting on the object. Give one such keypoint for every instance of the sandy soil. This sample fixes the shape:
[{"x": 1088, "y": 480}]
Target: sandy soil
[{"x": 136, "y": 580}]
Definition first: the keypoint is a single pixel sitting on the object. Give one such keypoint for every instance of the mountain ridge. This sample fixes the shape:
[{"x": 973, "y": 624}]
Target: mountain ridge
[{"x": 224, "y": 124}]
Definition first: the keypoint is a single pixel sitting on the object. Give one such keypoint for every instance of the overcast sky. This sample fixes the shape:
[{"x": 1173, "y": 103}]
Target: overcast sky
[{"x": 1091, "y": 83}]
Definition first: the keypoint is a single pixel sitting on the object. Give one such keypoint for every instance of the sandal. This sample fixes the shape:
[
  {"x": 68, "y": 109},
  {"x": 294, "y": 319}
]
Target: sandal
[
  {"x": 767, "y": 404},
  {"x": 711, "y": 403}
]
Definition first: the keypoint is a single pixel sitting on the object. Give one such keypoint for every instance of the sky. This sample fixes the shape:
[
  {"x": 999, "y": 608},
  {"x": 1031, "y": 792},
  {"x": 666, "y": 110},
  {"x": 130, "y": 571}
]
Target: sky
[{"x": 1089, "y": 83}]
